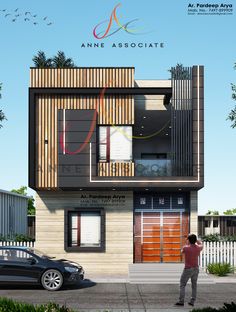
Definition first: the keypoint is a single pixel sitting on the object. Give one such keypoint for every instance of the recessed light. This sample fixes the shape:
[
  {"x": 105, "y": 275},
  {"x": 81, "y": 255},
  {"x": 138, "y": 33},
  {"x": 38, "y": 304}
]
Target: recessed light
[
  {"x": 144, "y": 117},
  {"x": 140, "y": 134},
  {"x": 81, "y": 189},
  {"x": 113, "y": 189},
  {"x": 169, "y": 127},
  {"x": 142, "y": 127},
  {"x": 167, "y": 133},
  {"x": 180, "y": 189},
  {"x": 146, "y": 189}
]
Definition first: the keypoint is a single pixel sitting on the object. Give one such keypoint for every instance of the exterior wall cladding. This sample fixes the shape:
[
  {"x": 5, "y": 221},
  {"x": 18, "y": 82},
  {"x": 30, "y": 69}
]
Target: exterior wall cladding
[
  {"x": 116, "y": 164},
  {"x": 13, "y": 214}
]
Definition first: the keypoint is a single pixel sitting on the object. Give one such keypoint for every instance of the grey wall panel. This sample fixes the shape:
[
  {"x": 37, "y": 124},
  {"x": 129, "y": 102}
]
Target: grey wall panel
[
  {"x": 13, "y": 214},
  {"x": 73, "y": 164}
]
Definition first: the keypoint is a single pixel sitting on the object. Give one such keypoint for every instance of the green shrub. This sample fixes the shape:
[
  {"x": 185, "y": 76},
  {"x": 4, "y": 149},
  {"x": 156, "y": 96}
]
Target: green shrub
[
  {"x": 228, "y": 307},
  {"x": 16, "y": 238},
  {"x": 220, "y": 269},
  {"x": 207, "y": 309},
  {"x": 9, "y": 305},
  {"x": 218, "y": 238},
  {"x": 211, "y": 238}
]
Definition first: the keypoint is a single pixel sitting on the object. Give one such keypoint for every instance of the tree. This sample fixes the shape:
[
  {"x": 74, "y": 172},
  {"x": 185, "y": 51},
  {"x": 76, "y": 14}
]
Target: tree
[
  {"x": 41, "y": 61},
  {"x": 23, "y": 191},
  {"x": 212, "y": 213},
  {"x": 60, "y": 61},
  {"x": 230, "y": 212},
  {"x": 232, "y": 114},
  {"x": 2, "y": 115},
  {"x": 179, "y": 72}
]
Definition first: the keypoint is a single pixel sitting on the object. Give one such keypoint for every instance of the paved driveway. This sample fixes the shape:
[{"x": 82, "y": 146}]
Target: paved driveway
[{"x": 89, "y": 296}]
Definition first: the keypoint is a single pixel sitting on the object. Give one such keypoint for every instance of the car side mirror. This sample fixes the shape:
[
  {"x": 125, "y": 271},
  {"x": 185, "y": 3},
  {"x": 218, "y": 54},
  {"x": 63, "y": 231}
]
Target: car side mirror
[{"x": 31, "y": 260}]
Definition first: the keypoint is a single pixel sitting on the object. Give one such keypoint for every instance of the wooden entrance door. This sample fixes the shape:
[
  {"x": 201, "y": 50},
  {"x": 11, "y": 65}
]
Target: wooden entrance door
[{"x": 159, "y": 236}]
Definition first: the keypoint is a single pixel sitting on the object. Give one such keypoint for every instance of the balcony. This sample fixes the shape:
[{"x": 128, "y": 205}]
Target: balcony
[
  {"x": 116, "y": 169},
  {"x": 153, "y": 168}
]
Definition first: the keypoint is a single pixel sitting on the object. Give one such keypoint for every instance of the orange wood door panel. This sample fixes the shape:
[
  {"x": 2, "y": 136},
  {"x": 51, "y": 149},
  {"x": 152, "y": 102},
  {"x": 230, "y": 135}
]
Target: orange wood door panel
[
  {"x": 151, "y": 252},
  {"x": 151, "y": 245},
  {"x": 153, "y": 220},
  {"x": 151, "y": 259},
  {"x": 151, "y": 239},
  {"x": 163, "y": 236},
  {"x": 151, "y": 227}
]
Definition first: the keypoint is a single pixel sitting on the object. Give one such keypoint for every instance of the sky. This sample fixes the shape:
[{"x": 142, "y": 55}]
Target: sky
[{"x": 188, "y": 39}]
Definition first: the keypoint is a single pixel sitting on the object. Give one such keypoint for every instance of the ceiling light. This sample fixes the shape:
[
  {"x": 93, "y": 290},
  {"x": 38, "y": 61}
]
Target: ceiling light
[
  {"x": 81, "y": 189},
  {"x": 167, "y": 133},
  {"x": 144, "y": 117},
  {"x": 180, "y": 189},
  {"x": 113, "y": 189},
  {"x": 142, "y": 127},
  {"x": 146, "y": 189},
  {"x": 140, "y": 134}
]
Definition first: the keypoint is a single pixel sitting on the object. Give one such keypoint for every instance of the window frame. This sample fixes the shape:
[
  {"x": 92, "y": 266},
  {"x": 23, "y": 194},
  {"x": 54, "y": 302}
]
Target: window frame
[{"x": 66, "y": 230}]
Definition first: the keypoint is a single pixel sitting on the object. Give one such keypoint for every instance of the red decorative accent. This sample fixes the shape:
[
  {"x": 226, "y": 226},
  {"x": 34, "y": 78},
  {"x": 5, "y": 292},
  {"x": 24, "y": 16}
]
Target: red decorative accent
[
  {"x": 108, "y": 144},
  {"x": 78, "y": 229}
]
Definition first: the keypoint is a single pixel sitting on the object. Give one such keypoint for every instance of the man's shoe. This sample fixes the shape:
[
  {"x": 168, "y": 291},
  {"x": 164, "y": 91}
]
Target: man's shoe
[
  {"x": 191, "y": 303},
  {"x": 179, "y": 304}
]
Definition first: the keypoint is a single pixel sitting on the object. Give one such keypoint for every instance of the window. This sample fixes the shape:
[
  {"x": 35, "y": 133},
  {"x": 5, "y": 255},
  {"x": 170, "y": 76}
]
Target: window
[
  {"x": 115, "y": 143},
  {"x": 180, "y": 201},
  {"x": 207, "y": 223},
  {"x": 161, "y": 201},
  {"x": 229, "y": 222},
  {"x": 153, "y": 156},
  {"x": 142, "y": 201},
  {"x": 84, "y": 229},
  {"x": 215, "y": 223},
  {"x": 14, "y": 255}
]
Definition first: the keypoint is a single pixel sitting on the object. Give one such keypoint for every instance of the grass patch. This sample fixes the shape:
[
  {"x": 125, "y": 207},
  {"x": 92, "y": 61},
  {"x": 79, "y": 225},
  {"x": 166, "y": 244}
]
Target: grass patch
[{"x": 9, "y": 305}]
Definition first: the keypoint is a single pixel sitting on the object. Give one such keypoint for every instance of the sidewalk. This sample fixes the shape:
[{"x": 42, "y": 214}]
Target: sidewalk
[{"x": 117, "y": 297}]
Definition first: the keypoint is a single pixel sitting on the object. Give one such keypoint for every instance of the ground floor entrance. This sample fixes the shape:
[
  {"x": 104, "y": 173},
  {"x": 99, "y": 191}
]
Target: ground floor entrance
[{"x": 159, "y": 235}]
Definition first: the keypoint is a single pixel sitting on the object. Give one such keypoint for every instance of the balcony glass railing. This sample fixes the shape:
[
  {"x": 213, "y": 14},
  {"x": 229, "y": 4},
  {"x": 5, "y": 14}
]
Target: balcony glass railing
[{"x": 152, "y": 167}]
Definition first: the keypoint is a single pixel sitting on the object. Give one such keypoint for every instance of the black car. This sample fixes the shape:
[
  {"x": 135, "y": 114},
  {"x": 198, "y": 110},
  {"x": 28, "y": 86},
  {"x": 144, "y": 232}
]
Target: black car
[{"x": 26, "y": 265}]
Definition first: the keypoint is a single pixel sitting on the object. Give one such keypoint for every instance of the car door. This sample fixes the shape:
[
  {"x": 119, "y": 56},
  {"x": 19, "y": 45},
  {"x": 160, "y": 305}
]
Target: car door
[{"x": 17, "y": 267}]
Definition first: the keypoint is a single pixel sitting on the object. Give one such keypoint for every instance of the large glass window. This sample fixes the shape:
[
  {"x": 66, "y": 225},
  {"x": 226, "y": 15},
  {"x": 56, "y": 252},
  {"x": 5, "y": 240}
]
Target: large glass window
[
  {"x": 115, "y": 143},
  {"x": 85, "y": 229}
]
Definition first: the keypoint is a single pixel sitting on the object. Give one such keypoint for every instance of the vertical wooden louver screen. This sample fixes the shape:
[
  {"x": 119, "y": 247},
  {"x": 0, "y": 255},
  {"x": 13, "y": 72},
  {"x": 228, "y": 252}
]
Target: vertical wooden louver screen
[
  {"x": 81, "y": 77},
  {"x": 111, "y": 110}
]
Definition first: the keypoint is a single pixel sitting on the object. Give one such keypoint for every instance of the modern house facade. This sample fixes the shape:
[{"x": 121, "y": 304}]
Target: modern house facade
[
  {"x": 116, "y": 163},
  {"x": 13, "y": 214}
]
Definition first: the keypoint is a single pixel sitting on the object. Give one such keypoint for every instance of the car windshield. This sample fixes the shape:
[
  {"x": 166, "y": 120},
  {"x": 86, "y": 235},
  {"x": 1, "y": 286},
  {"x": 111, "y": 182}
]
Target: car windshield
[{"x": 40, "y": 253}]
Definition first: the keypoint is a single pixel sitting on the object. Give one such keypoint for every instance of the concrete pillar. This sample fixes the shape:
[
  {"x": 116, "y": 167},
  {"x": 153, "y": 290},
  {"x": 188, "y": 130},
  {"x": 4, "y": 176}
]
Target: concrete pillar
[{"x": 193, "y": 212}]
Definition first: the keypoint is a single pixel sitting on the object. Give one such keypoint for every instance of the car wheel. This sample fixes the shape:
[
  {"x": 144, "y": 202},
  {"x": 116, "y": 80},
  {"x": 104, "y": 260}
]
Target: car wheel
[{"x": 52, "y": 279}]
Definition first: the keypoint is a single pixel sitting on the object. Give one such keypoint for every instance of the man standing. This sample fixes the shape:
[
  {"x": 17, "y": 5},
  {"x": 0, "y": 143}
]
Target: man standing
[{"x": 191, "y": 252}]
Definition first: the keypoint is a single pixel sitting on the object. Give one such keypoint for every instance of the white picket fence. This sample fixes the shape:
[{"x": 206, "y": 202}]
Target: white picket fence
[
  {"x": 26, "y": 244},
  {"x": 213, "y": 252},
  {"x": 223, "y": 252}
]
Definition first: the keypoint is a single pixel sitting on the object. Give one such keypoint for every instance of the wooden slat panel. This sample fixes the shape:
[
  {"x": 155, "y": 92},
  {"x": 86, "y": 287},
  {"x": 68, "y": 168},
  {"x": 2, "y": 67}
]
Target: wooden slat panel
[
  {"x": 81, "y": 77},
  {"x": 151, "y": 259},
  {"x": 151, "y": 252}
]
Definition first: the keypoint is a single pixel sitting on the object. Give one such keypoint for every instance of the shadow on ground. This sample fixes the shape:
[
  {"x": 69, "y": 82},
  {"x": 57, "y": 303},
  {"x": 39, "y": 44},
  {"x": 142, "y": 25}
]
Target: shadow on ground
[{"x": 81, "y": 285}]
